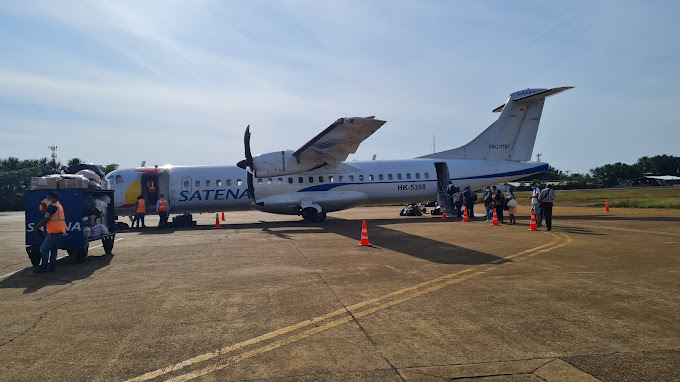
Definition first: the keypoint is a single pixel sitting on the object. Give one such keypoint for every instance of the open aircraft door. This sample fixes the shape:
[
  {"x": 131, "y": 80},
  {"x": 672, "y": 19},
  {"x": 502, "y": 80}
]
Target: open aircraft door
[{"x": 443, "y": 178}]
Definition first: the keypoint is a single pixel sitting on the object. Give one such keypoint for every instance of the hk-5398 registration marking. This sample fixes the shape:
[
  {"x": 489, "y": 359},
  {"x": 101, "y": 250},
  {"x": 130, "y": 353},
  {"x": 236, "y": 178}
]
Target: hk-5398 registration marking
[{"x": 410, "y": 187}]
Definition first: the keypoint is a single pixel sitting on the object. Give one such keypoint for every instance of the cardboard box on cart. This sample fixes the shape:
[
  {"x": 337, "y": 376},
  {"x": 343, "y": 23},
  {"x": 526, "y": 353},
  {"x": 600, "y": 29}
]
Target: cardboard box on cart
[{"x": 45, "y": 182}]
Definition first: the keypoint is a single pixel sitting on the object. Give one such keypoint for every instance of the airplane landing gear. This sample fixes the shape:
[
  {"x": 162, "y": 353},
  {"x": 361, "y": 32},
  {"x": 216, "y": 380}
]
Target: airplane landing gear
[{"x": 310, "y": 214}]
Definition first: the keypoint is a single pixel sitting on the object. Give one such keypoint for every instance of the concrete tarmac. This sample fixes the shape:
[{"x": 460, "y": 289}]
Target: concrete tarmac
[{"x": 270, "y": 297}]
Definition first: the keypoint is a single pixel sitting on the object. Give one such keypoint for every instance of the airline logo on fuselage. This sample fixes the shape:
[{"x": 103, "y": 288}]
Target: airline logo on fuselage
[{"x": 188, "y": 196}]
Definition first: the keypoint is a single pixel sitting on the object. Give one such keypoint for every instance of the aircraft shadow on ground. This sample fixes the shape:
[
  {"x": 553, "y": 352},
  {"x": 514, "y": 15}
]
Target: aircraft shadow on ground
[
  {"x": 380, "y": 236},
  {"x": 68, "y": 272}
]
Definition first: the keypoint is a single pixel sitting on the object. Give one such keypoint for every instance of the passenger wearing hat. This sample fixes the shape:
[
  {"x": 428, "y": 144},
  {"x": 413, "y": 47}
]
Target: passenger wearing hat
[{"x": 56, "y": 228}]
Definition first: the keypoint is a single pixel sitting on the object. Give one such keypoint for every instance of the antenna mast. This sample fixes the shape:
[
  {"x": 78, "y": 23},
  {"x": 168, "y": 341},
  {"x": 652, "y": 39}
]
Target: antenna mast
[{"x": 53, "y": 148}]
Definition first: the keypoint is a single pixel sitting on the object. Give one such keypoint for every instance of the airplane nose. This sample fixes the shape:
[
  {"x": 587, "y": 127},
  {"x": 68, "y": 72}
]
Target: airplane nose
[{"x": 242, "y": 164}]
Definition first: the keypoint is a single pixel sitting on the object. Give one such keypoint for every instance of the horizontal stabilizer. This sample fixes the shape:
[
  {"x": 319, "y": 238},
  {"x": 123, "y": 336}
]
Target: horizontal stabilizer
[{"x": 532, "y": 96}]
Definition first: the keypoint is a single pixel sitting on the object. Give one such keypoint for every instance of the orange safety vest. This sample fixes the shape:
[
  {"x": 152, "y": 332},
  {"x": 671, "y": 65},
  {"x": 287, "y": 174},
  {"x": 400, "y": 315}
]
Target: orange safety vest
[
  {"x": 141, "y": 206},
  {"x": 162, "y": 205},
  {"x": 57, "y": 221}
]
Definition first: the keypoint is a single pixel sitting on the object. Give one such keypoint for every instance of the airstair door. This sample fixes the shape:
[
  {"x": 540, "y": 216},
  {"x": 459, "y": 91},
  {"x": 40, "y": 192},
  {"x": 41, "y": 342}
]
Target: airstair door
[{"x": 443, "y": 179}]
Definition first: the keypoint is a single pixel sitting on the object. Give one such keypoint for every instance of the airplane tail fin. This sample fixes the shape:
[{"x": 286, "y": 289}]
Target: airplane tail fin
[{"x": 513, "y": 135}]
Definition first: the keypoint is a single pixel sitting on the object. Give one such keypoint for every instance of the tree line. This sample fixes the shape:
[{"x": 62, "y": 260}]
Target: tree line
[
  {"x": 610, "y": 175},
  {"x": 16, "y": 174}
]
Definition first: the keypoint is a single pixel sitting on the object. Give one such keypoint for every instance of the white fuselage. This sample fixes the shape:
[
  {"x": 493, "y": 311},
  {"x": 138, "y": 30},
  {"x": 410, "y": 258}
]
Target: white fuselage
[{"x": 224, "y": 188}]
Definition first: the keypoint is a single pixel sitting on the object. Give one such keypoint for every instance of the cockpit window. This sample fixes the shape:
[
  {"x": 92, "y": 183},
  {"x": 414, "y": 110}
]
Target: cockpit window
[{"x": 119, "y": 179}]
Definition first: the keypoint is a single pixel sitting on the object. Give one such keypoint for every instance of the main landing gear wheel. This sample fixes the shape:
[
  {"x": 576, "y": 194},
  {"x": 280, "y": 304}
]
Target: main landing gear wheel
[{"x": 310, "y": 214}]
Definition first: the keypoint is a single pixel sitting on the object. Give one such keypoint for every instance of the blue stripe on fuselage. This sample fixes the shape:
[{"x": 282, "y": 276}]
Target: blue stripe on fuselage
[{"x": 330, "y": 186}]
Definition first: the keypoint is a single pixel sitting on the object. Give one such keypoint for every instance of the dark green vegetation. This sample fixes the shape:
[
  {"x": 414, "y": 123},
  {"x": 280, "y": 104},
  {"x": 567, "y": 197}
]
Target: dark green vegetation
[
  {"x": 610, "y": 175},
  {"x": 16, "y": 174}
]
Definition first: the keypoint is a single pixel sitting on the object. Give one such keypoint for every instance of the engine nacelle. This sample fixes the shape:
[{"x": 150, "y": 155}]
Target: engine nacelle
[{"x": 281, "y": 163}]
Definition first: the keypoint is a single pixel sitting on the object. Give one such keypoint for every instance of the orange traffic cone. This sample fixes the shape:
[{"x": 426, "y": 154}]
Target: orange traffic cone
[
  {"x": 606, "y": 206},
  {"x": 222, "y": 216},
  {"x": 495, "y": 218},
  {"x": 217, "y": 222},
  {"x": 465, "y": 216},
  {"x": 444, "y": 213},
  {"x": 533, "y": 226},
  {"x": 364, "y": 236}
]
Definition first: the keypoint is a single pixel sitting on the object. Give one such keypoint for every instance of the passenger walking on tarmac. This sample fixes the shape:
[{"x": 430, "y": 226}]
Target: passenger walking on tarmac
[
  {"x": 163, "y": 208},
  {"x": 140, "y": 211},
  {"x": 499, "y": 205},
  {"x": 488, "y": 203},
  {"x": 534, "y": 204},
  {"x": 458, "y": 197},
  {"x": 469, "y": 199},
  {"x": 546, "y": 200},
  {"x": 56, "y": 228},
  {"x": 512, "y": 205}
]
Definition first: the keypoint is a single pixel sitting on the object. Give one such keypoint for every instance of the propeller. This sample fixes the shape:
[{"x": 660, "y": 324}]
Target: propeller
[{"x": 247, "y": 164}]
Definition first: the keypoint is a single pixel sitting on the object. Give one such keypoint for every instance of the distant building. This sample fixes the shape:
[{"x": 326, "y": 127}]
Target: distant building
[{"x": 656, "y": 181}]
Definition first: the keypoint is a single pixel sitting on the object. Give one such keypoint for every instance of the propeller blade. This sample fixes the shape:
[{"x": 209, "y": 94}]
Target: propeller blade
[
  {"x": 248, "y": 164},
  {"x": 246, "y": 143},
  {"x": 251, "y": 187}
]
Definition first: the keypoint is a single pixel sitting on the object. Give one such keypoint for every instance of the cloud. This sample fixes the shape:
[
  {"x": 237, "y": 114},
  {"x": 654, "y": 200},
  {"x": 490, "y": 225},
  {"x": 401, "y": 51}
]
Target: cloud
[{"x": 196, "y": 73}]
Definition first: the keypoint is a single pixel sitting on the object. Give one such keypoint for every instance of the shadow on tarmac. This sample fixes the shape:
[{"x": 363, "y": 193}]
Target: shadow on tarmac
[
  {"x": 68, "y": 271},
  {"x": 379, "y": 232}
]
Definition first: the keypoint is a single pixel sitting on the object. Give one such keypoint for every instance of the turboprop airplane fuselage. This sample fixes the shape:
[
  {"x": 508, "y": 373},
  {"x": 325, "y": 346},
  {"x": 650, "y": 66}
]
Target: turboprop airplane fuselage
[
  {"x": 315, "y": 179},
  {"x": 223, "y": 188}
]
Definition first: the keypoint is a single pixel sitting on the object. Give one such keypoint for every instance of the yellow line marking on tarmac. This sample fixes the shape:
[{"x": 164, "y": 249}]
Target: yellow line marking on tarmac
[
  {"x": 309, "y": 332},
  {"x": 635, "y": 230},
  {"x": 439, "y": 283},
  {"x": 564, "y": 236}
]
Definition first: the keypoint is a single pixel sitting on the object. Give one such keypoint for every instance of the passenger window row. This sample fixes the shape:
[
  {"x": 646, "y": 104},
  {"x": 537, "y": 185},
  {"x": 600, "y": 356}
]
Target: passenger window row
[
  {"x": 218, "y": 183},
  {"x": 310, "y": 179}
]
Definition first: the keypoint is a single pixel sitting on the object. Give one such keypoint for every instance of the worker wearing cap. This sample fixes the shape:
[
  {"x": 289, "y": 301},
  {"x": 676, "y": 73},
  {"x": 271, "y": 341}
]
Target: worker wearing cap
[
  {"x": 55, "y": 219},
  {"x": 140, "y": 211},
  {"x": 163, "y": 208}
]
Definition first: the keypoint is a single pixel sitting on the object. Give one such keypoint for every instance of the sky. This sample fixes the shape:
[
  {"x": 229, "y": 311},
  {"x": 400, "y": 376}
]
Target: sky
[{"x": 177, "y": 82}]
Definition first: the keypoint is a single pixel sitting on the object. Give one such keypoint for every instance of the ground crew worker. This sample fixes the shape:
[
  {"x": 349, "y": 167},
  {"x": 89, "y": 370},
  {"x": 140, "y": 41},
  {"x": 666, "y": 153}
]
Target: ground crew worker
[
  {"x": 140, "y": 211},
  {"x": 56, "y": 228},
  {"x": 163, "y": 208}
]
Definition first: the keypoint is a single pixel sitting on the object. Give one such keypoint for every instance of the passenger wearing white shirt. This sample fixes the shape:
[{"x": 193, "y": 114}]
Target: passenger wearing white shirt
[{"x": 534, "y": 201}]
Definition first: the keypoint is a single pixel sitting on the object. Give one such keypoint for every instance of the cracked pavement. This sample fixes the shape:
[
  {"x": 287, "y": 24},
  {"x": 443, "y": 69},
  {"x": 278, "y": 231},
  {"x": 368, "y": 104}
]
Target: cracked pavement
[{"x": 271, "y": 298}]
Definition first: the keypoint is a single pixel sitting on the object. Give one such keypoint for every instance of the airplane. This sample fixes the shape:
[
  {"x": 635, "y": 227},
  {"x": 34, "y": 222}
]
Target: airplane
[{"x": 315, "y": 179}]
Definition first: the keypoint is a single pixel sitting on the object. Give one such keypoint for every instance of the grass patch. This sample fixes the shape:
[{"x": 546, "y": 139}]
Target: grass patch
[{"x": 650, "y": 197}]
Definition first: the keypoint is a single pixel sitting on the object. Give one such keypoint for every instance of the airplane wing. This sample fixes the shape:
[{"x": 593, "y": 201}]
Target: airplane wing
[{"x": 338, "y": 140}]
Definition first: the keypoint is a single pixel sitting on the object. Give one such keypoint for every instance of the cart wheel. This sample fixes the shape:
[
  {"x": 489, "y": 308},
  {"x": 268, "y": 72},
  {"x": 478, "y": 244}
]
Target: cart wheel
[
  {"x": 81, "y": 254},
  {"x": 108, "y": 245},
  {"x": 35, "y": 256}
]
